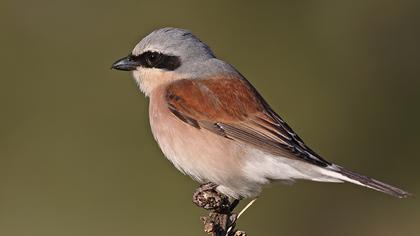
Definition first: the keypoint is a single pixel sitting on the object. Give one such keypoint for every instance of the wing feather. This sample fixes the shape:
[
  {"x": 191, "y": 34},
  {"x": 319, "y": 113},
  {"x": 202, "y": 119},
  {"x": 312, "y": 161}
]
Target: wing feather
[{"x": 230, "y": 107}]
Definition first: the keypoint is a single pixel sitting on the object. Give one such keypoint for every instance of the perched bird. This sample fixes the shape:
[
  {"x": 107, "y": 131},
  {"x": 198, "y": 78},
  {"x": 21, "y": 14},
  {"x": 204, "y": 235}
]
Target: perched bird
[{"x": 214, "y": 126}]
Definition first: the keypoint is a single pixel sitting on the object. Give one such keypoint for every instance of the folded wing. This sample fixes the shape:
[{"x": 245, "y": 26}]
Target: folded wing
[{"x": 230, "y": 107}]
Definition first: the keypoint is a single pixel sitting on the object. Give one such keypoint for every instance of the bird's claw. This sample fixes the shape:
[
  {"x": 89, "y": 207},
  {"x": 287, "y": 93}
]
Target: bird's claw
[{"x": 207, "y": 197}]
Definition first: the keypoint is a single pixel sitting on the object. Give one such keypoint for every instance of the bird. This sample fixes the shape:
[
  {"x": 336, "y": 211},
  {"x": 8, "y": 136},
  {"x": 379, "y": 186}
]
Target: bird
[{"x": 214, "y": 126}]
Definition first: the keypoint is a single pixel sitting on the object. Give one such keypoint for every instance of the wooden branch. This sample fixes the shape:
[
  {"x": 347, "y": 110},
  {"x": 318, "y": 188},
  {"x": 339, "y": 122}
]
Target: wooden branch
[{"x": 221, "y": 221}]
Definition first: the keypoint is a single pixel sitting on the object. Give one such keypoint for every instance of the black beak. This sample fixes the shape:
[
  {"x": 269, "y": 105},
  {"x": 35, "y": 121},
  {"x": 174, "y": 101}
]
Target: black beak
[{"x": 126, "y": 63}]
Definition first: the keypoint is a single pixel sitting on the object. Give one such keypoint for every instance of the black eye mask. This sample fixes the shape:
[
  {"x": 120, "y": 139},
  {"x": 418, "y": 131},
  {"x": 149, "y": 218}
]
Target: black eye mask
[
  {"x": 151, "y": 59},
  {"x": 148, "y": 59}
]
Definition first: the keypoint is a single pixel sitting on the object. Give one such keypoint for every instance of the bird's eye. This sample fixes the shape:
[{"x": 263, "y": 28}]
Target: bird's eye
[{"x": 153, "y": 59}]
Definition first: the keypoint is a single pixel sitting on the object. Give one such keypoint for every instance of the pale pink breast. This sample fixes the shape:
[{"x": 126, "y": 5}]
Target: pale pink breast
[{"x": 197, "y": 152}]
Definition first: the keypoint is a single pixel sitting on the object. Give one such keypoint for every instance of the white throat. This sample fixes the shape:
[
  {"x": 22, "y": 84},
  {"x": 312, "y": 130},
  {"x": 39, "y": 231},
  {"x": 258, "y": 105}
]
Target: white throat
[{"x": 149, "y": 79}]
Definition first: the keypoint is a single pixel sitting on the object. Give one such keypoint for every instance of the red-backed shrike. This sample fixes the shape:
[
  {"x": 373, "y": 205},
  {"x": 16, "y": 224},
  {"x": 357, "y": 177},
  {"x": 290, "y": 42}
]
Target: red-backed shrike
[{"x": 214, "y": 126}]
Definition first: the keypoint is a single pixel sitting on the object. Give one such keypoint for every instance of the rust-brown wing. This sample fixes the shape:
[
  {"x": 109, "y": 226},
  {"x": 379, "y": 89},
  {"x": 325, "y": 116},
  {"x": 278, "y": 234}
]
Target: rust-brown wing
[{"x": 229, "y": 106}]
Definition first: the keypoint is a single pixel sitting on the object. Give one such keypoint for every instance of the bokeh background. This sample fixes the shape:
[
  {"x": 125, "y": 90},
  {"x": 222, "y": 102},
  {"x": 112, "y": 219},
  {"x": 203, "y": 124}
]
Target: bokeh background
[{"x": 77, "y": 156}]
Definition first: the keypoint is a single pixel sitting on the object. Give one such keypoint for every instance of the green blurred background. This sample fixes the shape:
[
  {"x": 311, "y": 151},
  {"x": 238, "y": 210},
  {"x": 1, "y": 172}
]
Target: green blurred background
[{"x": 77, "y": 156}]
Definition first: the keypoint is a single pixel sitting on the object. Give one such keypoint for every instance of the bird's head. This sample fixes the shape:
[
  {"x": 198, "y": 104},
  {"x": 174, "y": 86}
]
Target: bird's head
[{"x": 165, "y": 54}]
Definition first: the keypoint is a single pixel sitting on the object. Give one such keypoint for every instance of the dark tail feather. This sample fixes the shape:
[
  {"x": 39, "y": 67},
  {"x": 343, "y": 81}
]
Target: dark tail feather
[{"x": 370, "y": 183}]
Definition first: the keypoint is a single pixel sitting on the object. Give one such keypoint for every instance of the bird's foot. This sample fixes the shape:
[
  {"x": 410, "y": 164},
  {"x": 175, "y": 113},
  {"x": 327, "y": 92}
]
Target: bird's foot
[
  {"x": 207, "y": 197},
  {"x": 221, "y": 221}
]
